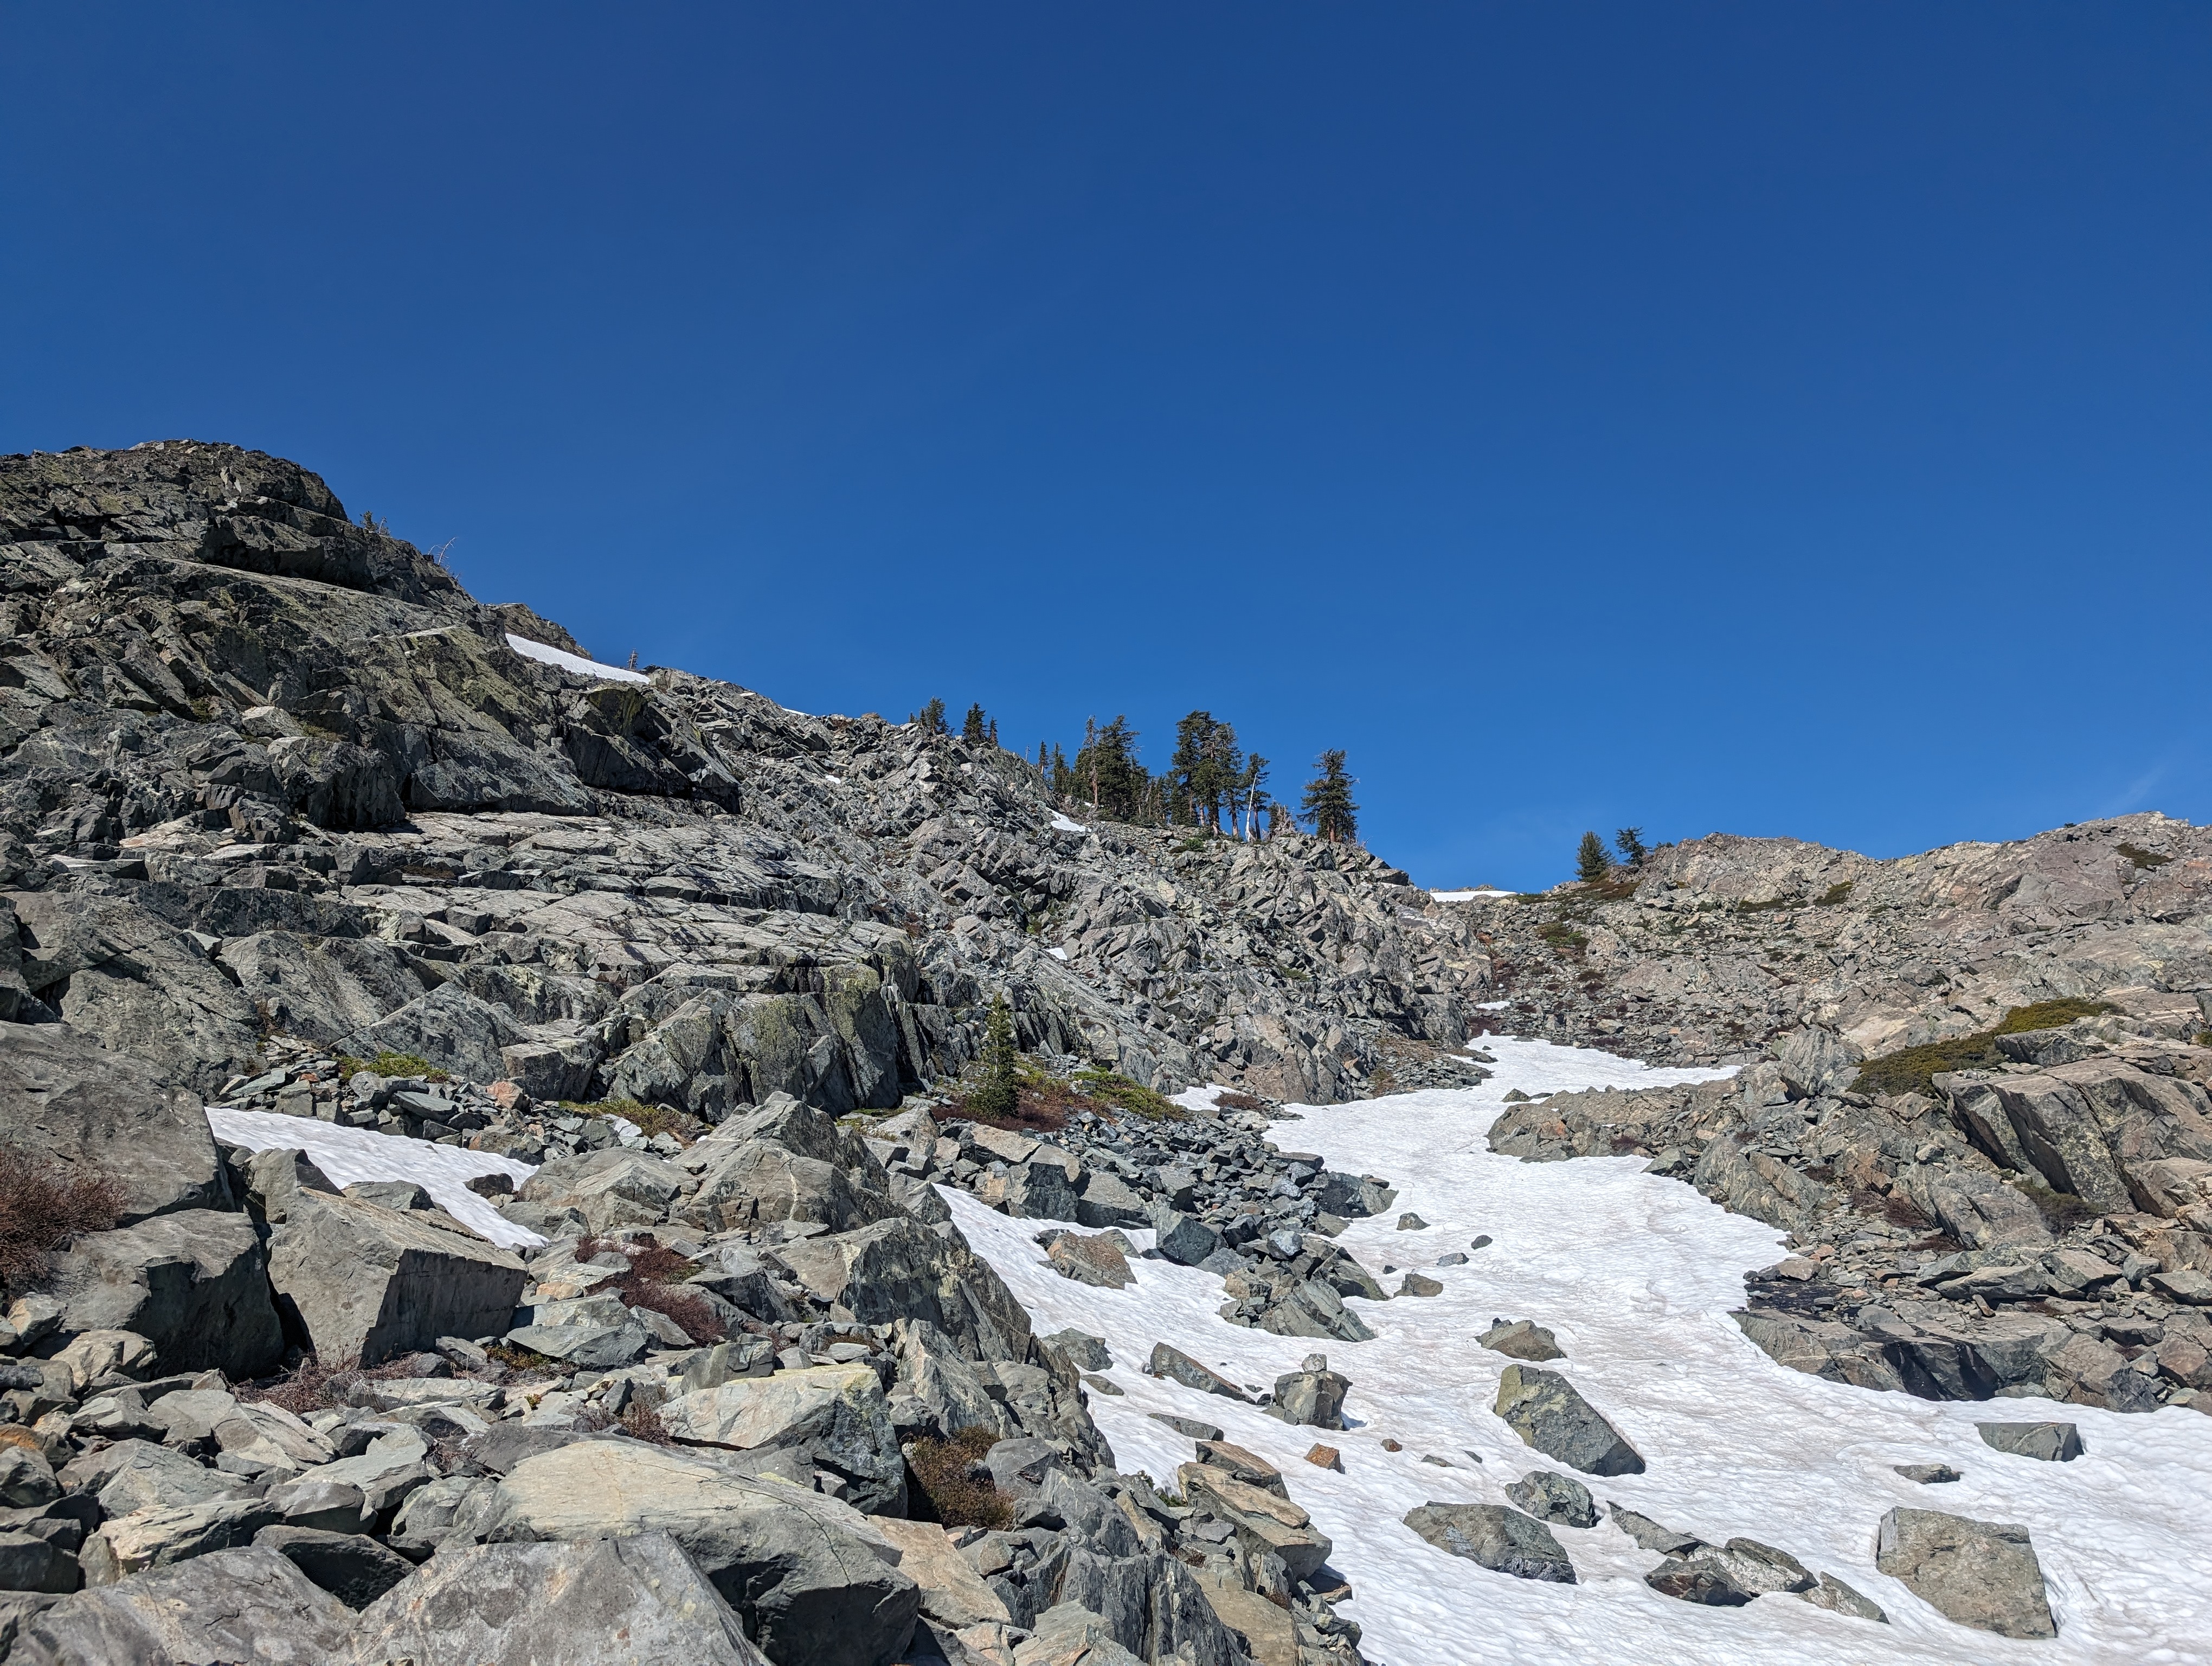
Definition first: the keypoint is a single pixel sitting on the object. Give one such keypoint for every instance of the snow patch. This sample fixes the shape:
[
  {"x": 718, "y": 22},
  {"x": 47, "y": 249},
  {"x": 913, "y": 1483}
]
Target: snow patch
[
  {"x": 1061, "y": 825},
  {"x": 348, "y": 1156},
  {"x": 1057, "y": 952},
  {"x": 546, "y": 656},
  {"x": 1636, "y": 1275},
  {"x": 1467, "y": 896}
]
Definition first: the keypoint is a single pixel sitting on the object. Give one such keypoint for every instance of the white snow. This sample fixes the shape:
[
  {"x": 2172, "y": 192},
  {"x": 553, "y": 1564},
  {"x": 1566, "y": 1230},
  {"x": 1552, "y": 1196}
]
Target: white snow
[
  {"x": 1467, "y": 896},
  {"x": 573, "y": 662},
  {"x": 350, "y": 1155},
  {"x": 1636, "y": 1274},
  {"x": 1492, "y": 1005},
  {"x": 1057, "y": 952},
  {"x": 1061, "y": 825}
]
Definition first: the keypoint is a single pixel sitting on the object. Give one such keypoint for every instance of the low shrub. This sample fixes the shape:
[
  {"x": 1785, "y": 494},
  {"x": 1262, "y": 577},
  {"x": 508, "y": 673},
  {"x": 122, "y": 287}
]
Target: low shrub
[
  {"x": 941, "y": 1489},
  {"x": 653, "y": 1283},
  {"x": 1119, "y": 1091},
  {"x": 2144, "y": 859},
  {"x": 1911, "y": 1069},
  {"x": 649, "y": 1120},
  {"x": 43, "y": 1206},
  {"x": 1836, "y": 893},
  {"x": 313, "y": 1386},
  {"x": 391, "y": 1064},
  {"x": 1228, "y": 1101},
  {"x": 2059, "y": 1210}
]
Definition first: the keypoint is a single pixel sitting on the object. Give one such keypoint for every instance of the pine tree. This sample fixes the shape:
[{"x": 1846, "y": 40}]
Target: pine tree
[
  {"x": 1591, "y": 863},
  {"x": 994, "y": 734},
  {"x": 1000, "y": 1093},
  {"x": 1327, "y": 804},
  {"x": 972, "y": 731},
  {"x": 930, "y": 717},
  {"x": 1107, "y": 768},
  {"x": 1629, "y": 841}
]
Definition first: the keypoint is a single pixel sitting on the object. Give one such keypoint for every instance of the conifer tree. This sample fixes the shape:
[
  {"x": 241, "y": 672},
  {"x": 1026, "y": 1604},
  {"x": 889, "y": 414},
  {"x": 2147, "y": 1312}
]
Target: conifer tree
[
  {"x": 1000, "y": 1093},
  {"x": 1591, "y": 863},
  {"x": 1249, "y": 789},
  {"x": 1629, "y": 842},
  {"x": 1327, "y": 804},
  {"x": 930, "y": 717},
  {"x": 972, "y": 730},
  {"x": 994, "y": 736}
]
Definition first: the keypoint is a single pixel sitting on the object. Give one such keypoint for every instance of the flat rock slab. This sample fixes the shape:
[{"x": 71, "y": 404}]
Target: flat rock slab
[
  {"x": 2054, "y": 1443},
  {"x": 1179, "y": 1367},
  {"x": 1549, "y": 1415},
  {"x": 1551, "y": 1498},
  {"x": 1502, "y": 1539},
  {"x": 1983, "y": 1574},
  {"x": 599, "y": 1602},
  {"x": 1520, "y": 1340},
  {"x": 245, "y": 1607}
]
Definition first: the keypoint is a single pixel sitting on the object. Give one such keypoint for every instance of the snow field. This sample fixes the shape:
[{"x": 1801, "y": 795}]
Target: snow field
[
  {"x": 1636, "y": 1274},
  {"x": 349, "y": 1156}
]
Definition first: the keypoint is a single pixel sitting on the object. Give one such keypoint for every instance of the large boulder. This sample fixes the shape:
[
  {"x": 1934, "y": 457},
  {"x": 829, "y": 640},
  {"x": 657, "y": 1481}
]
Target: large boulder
[
  {"x": 1314, "y": 1394},
  {"x": 1503, "y": 1541},
  {"x": 1982, "y": 1574},
  {"x": 371, "y": 1284},
  {"x": 799, "y": 1424},
  {"x": 1549, "y": 1415},
  {"x": 194, "y": 1283},
  {"x": 64, "y": 1097},
  {"x": 449, "y": 1027},
  {"x": 243, "y": 1607},
  {"x": 759, "y": 1181},
  {"x": 611, "y": 1188},
  {"x": 899, "y": 1270},
  {"x": 600, "y": 1602},
  {"x": 352, "y": 1567},
  {"x": 814, "y": 1583}
]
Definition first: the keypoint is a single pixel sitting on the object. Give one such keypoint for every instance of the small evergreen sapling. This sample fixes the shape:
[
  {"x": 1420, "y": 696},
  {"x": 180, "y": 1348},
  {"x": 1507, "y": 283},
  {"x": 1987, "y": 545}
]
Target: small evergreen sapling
[
  {"x": 1591, "y": 863},
  {"x": 1000, "y": 1093},
  {"x": 1629, "y": 842}
]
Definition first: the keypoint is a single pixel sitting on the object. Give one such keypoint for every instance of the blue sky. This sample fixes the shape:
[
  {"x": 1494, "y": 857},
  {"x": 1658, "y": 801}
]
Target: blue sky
[{"x": 1776, "y": 419}]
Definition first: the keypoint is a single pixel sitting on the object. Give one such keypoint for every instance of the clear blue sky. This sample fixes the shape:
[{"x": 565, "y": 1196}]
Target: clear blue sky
[{"x": 1772, "y": 418}]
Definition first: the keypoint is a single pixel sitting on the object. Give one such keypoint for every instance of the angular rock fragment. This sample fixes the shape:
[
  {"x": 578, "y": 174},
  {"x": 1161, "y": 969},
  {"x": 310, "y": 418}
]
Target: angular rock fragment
[
  {"x": 1179, "y": 1367},
  {"x": 1554, "y": 1498},
  {"x": 801, "y": 1423},
  {"x": 1983, "y": 1574},
  {"x": 1504, "y": 1540},
  {"x": 2054, "y": 1443},
  {"x": 1549, "y": 1415},
  {"x": 243, "y": 1607},
  {"x": 1520, "y": 1339}
]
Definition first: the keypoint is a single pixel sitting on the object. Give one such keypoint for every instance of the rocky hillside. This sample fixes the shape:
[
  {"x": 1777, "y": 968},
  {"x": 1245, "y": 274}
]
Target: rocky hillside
[
  {"x": 264, "y": 771},
  {"x": 291, "y": 821}
]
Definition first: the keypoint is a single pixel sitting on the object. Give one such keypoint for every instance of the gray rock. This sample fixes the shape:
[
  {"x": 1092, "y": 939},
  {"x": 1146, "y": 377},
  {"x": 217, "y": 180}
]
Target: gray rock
[
  {"x": 898, "y": 1269},
  {"x": 1520, "y": 1340},
  {"x": 1193, "y": 1427},
  {"x": 1179, "y": 1367},
  {"x": 1184, "y": 1239},
  {"x": 1833, "y": 1595},
  {"x": 1549, "y": 1415},
  {"x": 1312, "y": 1397},
  {"x": 1108, "y": 1201},
  {"x": 30, "y": 1562},
  {"x": 2054, "y": 1443},
  {"x": 612, "y": 1190},
  {"x": 373, "y": 1284},
  {"x": 451, "y": 1028},
  {"x": 243, "y": 1607},
  {"x": 1759, "y": 1569},
  {"x": 587, "y": 1347},
  {"x": 193, "y": 1283},
  {"x": 1420, "y": 1284},
  {"x": 133, "y": 1475},
  {"x": 1503, "y": 1541},
  {"x": 355, "y": 1569},
  {"x": 1982, "y": 1574},
  {"x": 26, "y": 1479},
  {"x": 65, "y": 1097},
  {"x": 1697, "y": 1580},
  {"x": 1265, "y": 1523},
  {"x": 1928, "y": 1475},
  {"x": 1084, "y": 1351},
  {"x": 1816, "y": 1062},
  {"x": 126, "y": 1545},
  {"x": 813, "y": 1583},
  {"x": 1554, "y": 1498},
  {"x": 1410, "y": 1222},
  {"x": 400, "y": 1194},
  {"x": 799, "y": 1424},
  {"x": 602, "y": 1603}
]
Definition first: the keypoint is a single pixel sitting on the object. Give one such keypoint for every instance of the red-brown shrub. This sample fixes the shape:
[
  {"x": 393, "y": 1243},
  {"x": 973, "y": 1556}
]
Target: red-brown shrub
[{"x": 43, "y": 1206}]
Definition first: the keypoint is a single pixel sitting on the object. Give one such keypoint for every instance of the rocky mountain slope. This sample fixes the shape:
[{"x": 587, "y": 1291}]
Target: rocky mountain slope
[{"x": 278, "y": 798}]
